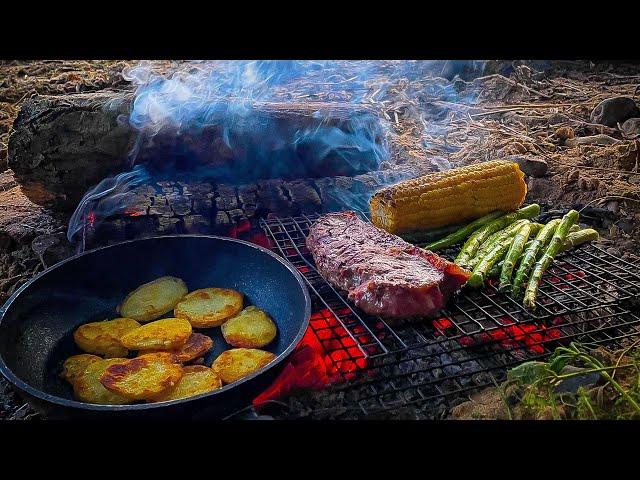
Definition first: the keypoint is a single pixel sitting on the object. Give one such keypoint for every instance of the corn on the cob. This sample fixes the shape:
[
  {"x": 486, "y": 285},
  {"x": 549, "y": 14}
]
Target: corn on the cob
[{"x": 452, "y": 196}]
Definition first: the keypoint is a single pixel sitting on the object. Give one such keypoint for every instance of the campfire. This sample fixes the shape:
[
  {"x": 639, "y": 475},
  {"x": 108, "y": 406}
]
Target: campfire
[{"x": 257, "y": 151}]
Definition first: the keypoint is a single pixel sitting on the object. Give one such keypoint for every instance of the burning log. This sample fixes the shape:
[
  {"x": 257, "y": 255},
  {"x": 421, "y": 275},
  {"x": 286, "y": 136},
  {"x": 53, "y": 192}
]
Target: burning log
[
  {"x": 200, "y": 207},
  {"x": 61, "y": 146}
]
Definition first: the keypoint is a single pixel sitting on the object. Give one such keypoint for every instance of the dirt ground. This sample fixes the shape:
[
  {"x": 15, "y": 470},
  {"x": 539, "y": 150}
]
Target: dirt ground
[
  {"x": 528, "y": 114},
  {"x": 514, "y": 109}
]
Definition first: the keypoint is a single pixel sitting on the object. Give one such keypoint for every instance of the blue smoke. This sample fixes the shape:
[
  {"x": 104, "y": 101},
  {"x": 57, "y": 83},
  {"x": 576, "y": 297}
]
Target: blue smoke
[{"x": 215, "y": 121}]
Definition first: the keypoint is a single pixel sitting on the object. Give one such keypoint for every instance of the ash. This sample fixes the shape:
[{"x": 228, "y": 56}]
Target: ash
[{"x": 420, "y": 384}]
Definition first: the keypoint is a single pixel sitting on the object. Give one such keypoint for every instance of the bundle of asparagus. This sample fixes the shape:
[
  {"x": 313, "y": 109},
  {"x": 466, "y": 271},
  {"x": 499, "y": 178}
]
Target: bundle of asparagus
[{"x": 500, "y": 243}]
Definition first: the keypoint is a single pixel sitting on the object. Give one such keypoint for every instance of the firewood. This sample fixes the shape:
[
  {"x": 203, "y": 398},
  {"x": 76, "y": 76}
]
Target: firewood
[{"x": 61, "y": 146}]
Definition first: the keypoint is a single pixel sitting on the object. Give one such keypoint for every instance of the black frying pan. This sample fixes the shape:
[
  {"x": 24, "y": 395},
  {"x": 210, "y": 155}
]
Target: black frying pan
[{"x": 37, "y": 322}]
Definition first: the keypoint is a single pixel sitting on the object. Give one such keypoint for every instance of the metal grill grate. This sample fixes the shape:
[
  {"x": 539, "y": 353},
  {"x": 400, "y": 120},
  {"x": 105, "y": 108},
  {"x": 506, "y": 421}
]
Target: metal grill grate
[{"x": 587, "y": 296}]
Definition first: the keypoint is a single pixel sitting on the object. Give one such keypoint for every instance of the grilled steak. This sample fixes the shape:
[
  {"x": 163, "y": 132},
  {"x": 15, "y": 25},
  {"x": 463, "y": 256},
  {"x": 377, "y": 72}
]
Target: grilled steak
[{"x": 383, "y": 274}]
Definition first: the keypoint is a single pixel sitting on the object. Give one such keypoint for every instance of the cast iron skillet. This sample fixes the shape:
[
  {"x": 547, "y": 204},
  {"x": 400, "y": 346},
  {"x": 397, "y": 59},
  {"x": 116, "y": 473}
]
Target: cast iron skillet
[{"x": 37, "y": 322}]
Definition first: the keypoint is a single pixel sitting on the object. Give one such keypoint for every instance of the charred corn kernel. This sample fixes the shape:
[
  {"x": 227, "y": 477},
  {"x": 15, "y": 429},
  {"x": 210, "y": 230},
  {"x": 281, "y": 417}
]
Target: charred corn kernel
[{"x": 452, "y": 196}]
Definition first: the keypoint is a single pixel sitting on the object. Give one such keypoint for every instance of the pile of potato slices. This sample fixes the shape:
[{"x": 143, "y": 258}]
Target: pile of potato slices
[{"x": 142, "y": 357}]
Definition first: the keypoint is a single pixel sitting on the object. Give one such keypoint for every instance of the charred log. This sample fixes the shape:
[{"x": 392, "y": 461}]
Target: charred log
[{"x": 178, "y": 207}]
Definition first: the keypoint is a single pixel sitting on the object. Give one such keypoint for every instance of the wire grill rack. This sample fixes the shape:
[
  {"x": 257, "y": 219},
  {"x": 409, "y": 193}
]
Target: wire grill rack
[{"x": 588, "y": 295}]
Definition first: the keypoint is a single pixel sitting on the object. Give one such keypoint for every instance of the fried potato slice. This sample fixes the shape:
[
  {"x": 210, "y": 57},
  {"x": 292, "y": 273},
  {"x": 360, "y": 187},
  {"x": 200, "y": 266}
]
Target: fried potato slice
[
  {"x": 236, "y": 363},
  {"x": 209, "y": 307},
  {"x": 144, "y": 377},
  {"x": 251, "y": 328},
  {"x": 103, "y": 338},
  {"x": 163, "y": 334},
  {"x": 75, "y": 366},
  {"x": 153, "y": 299},
  {"x": 87, "y": 387},
  {"x": 196, "y": 379},
  {"x": 196, "y": 346}
]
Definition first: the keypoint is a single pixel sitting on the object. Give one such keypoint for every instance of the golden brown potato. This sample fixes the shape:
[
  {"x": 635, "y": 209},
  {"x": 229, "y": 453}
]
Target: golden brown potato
[
  {"x": 234, "y": 364},
  {"x": 153, "y": 299},
  {"x": 103, "y": 338},
  {"x": 195, "y": 380},
  {"x": 144, "y": 377},
  {"x": 88, "y": 388},
  {"x": 251, "y": 328},
  {"x": 196, "y": 346},
  {"x": 75, "y": 366},
  {"x": 209, "y": 307},
  {"x": 163, "y": 334}
]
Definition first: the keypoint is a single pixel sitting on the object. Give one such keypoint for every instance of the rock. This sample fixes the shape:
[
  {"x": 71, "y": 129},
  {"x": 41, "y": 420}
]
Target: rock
[
  {"x": 592, "y": 140},
  {"x": 625, "y": 225},
  {"x": 52, "y": 249},
  {"x": 534, "y": 167},
  {"x": 614, "y": 110},
  {"x": 571, "y": 385},
  {"x": 631, "y": 128}
]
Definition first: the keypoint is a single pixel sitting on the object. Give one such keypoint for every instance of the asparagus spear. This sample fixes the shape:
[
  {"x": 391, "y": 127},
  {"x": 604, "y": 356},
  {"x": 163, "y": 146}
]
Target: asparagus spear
[
  {"x": 462, "y": 233},
  {"x": 495, "y": 254},
  {"x": 535, "y": 228},
  {"x": 573, "y": 240},
  {"x": 513, "y": 254},
  {"x": 510, "y": 231},
  {"x": 581, "y": 236},
  {"x": 530, "y": 253},
  {"x": 425, "y": 236},
  {"x": 551, "y": 251},
  {"x": 475, "y": 240}
]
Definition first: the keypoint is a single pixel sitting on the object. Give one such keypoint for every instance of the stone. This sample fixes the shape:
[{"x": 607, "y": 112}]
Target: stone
[
  {"x": 625, "y": 225},
  {"x": 631, "y": 128},
  {"x": 534, "y": 167},
  {"x": 591, "y": 140},
  {"x": 614, "y": 110},
  {"x": 613, "y": 206},
  {"x": 571, "y": 384},
  {"x": 52, "y": 249}
]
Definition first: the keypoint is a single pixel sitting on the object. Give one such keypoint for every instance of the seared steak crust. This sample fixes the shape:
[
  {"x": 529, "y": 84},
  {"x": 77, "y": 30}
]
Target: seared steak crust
[{"x": 383, "y": 274}]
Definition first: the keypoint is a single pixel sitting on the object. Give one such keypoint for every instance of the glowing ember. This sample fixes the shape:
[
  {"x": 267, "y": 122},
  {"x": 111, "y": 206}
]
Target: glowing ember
[
  {"x": 240, "y": 228},
  {"x": 326, "y": 354},
  {"x": 129, "y": 212},
  {"x": 510, "y": 335}
]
